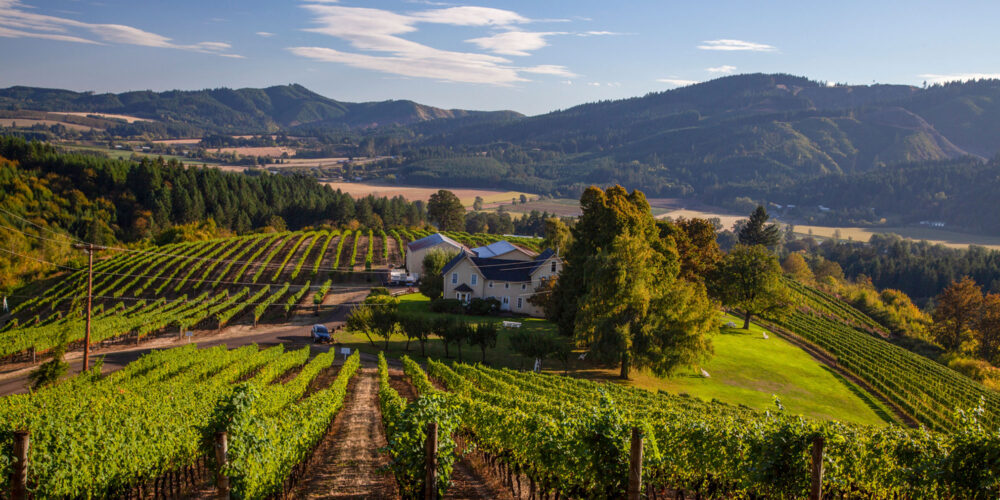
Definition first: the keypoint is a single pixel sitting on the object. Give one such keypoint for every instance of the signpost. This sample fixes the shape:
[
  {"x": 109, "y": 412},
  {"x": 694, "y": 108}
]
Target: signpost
[{"x": 346, "y": 351}]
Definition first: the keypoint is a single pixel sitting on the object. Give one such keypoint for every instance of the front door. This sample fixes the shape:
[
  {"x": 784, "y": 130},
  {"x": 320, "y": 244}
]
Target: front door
[{"x": 505, "y": 304}]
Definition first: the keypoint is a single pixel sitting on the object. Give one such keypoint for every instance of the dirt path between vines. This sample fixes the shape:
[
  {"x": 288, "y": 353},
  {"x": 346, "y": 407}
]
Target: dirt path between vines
[{"x": 347, "y": 462}]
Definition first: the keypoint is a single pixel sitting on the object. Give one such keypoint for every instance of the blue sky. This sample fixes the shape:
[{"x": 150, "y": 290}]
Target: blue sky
[{"x": 528, "y": 56}]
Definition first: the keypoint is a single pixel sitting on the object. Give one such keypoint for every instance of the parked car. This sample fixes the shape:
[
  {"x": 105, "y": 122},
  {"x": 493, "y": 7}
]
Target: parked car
[{"x": 320, "y": 334}]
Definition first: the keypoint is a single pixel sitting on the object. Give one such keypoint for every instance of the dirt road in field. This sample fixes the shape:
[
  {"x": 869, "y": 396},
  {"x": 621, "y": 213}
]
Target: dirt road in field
[{"x": 294, "y": 334}]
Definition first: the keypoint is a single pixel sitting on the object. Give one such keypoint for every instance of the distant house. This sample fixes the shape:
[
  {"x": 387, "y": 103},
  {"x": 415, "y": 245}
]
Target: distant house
[
  {"x": 511, "y": 282},
  {"x": 417, "y": 249},
  {"x": 504, "y": 250}
]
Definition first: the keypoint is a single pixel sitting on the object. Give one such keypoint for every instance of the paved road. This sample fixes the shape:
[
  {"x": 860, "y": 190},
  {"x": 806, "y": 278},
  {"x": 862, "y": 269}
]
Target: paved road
[{"x": 294, "y": 333}]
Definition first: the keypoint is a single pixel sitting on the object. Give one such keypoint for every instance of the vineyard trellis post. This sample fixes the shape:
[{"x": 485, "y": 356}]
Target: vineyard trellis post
[
  {"x": 635, "y": 465},
  {"x": 19, "y": 471},
  {"x": 221, "y": 460},
  {"x": 89, "y": 248},
  {"x": 430, "y": 480},
  {"x": 816, "y": 490}
]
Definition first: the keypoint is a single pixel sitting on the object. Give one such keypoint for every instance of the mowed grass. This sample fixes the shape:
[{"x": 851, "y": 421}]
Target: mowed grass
[
  {"x": 750, "y": 370},
  {"x": 745, "y": 370}
]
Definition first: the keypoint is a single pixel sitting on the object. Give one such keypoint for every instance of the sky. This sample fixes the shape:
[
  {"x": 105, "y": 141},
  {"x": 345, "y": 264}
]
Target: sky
[{"x": 528, "y": 56}]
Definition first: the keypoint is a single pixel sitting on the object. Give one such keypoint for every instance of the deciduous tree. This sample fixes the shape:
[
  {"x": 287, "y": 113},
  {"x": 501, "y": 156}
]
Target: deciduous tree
[
  {"x": 432, "y": 282},
  {"x": 957, "y": 312},
  {"x": 988, "y": 329},
  {"x": 636, "y": 311},
  {"x": 749, "y": 279}
]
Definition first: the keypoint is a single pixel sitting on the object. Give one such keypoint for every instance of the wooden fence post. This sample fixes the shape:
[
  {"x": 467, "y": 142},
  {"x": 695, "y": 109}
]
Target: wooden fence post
[
  {"x": 635, "y": 466},
  {"x": 19, "y": 472},
  {"x": 430, "y": 480},
  {"x": 816, "y": 492},
  {"x": 221, "y": 459}
]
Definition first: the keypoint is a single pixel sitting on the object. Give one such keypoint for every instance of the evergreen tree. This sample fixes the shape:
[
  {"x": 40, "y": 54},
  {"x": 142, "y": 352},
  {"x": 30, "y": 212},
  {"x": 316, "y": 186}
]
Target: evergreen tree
[
  {"x": 446, "y": 210},
  {"x": 756, "y": 231}
]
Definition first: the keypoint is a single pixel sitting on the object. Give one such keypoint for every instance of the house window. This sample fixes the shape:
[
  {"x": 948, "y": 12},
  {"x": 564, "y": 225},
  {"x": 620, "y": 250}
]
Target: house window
[
  {"x": 474, "y": 279},
  {"x": 553, "y": 266},
  {"x": 506, "y": 285},
  {"x": 454, "y": 278},
  {"x": 519, "y": 302},
  {"x": 491, "y": 284},
  {"x": 523, "y": 286}
]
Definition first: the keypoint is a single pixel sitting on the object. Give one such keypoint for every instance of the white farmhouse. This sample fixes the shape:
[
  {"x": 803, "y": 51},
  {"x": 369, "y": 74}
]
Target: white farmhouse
[
  {"x": 511, "y": 282},
  {"x": 417, "y": 249}
]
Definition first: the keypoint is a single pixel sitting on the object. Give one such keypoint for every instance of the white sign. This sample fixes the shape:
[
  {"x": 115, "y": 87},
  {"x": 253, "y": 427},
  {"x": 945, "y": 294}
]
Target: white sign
[
  {"x": 538, "y": 365},
  {"x": 189, "y": 334},
  {"x": 346, "y": 351}
]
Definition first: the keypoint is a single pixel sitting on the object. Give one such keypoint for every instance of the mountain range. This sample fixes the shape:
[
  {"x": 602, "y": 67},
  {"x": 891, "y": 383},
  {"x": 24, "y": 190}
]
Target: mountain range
[
  {"x": 758, "y": 137},
  {"x": 245, "y": 111}
]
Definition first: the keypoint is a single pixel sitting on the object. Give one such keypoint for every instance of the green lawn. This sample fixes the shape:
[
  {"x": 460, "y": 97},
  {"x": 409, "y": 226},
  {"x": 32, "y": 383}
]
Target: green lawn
[
  {"x": 750, "y": 370},
  {"x": 746, "y": 369}
]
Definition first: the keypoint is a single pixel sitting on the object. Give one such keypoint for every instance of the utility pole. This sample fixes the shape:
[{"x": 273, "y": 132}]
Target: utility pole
[{"x": 89, "y": 248}]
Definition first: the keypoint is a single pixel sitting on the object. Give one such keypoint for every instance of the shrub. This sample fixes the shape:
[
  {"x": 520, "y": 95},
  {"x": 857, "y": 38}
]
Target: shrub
[
  {"x": 482, "y": 307},
  {"x": 447, "y": 306}
]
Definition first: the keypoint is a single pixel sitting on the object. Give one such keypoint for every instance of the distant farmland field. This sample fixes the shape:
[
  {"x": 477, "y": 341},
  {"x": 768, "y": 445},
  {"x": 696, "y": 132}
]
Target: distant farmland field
[{"x": 413, "y": 193}]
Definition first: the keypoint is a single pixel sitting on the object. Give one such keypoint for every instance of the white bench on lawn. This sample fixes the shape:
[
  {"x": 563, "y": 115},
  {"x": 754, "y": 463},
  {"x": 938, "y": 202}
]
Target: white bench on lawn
[{"x": 512, "y": 324}]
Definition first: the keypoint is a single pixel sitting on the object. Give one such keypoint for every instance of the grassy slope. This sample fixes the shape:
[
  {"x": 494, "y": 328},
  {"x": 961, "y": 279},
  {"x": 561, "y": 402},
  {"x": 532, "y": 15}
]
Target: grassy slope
[{"x": 746, "y": 369}]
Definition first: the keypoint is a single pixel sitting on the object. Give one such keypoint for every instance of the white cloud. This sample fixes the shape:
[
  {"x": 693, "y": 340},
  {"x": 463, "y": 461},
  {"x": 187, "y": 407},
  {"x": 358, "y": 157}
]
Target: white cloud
[
  {"x": 549, "y": 69},
  {"x": 677, "y": 82},
  {"x": 265, "y": 34},
  {"x": 599, "y": 33},
  {"x": 454, "y": 69},
  {"x": 514, "y": 43},
  {"x": 470, "y": 16},
  {"x": 724, "y": 69},
  {"x": 594, "y": 84},
  {"x": 959, "y": 77},
  {"x": 380, "y": 31},
  {"x": 16, "y": 22},
  {"x": 726, "y": 44}
]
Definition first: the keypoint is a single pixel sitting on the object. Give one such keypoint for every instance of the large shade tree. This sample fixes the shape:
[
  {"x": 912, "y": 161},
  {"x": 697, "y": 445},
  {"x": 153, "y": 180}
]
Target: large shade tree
[
  {"x": 637, "y": 311},
  {"x": 749, "y": 279},
  {"x": 620, "y": 292}
]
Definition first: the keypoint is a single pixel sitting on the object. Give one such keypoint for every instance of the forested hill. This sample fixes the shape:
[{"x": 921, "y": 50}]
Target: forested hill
[
  {"x": 244, "y": 111},
  {"x": 738, "y": 131}
]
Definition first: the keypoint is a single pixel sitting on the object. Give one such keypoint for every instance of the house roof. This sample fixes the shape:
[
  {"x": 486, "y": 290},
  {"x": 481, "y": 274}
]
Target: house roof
[
  {"x": 497, "y": 249},
  {"x": 502, "y": 269},
  {"x": 463, "y": 288},
  {"x": 432, "y": 240}
]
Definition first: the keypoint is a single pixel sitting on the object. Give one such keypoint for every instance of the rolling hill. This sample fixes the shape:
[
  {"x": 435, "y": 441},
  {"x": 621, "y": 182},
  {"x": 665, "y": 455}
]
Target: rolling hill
[{"x": 248, "y": 110}]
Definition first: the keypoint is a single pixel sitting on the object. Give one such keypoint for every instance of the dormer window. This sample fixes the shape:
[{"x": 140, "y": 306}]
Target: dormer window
[{"x": 553, "y": 266}]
